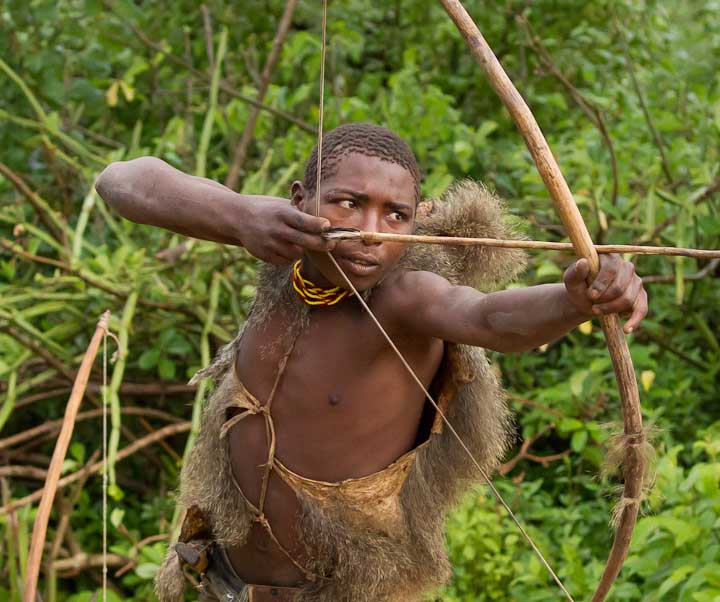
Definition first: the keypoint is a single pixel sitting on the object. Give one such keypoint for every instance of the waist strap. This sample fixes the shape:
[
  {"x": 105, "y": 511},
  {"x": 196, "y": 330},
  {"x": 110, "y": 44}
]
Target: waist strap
[{"x": 220, "y": 581}]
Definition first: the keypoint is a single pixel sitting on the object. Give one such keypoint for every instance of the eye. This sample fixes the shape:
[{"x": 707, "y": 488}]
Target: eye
[
  {"x": 347, "y": 204},
  {"x": 398, "y": 216}
]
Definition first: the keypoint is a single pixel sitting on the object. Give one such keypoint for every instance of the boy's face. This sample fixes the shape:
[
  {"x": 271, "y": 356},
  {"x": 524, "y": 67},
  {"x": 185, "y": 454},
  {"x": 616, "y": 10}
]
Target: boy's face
[{"x": 369, "y": 194}]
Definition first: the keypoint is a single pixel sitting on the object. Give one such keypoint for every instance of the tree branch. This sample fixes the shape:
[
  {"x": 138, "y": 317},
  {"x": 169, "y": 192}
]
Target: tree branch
[
  {"x": 241, "y": 149},
  {"x": 224, "y": 85},
  {"x": 168, "y": 431}
]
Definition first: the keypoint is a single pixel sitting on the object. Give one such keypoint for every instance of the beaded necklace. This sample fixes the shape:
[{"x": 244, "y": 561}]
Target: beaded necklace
[{"x": 316, "y": 295}]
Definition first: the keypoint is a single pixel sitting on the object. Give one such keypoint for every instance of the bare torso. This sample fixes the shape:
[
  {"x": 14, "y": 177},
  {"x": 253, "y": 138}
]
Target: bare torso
[{"x": 345, "y": 408}]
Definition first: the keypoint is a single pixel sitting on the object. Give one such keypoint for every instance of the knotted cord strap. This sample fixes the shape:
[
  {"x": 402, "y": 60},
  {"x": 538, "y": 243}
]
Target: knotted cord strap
[{"x": 399, "y": 354}]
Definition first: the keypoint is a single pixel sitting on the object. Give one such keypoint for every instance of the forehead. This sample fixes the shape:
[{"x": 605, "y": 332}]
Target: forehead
[{"x": 372, "y": 176}]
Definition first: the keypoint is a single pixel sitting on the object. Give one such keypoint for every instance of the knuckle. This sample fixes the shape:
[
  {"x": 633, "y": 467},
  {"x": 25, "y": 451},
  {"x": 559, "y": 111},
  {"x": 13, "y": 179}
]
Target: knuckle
[{"x": 615, "y": 290}]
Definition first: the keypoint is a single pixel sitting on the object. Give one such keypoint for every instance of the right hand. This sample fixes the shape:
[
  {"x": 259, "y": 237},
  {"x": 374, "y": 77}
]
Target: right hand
[{"x": 277, "y": 232}]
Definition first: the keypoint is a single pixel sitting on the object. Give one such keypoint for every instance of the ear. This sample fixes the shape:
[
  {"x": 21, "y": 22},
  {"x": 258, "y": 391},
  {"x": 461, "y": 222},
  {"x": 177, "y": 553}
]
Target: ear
[{"x": 298, "y": 194}]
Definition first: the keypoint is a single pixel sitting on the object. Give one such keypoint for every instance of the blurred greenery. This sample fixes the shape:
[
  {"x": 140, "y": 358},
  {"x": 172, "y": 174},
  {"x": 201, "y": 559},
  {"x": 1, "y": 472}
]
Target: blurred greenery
[{"x": 85, "y": 82}]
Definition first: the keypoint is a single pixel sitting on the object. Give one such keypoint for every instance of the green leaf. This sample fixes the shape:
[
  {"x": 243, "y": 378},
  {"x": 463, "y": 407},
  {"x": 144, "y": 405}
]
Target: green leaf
[
  {"x": 578, "y": 440},
  {"x": 166, "y": 368},
  {"x": 149, "y": 359},
  {"x": 577, "y": 382},
  {"x": 147, "y": 570},
  {"x": 116, "y": 517}
]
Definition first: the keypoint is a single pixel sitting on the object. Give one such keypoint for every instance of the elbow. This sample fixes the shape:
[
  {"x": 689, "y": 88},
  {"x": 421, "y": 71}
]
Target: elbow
[
  {"x": 127, "y": 186},
  {"x": 108, "y": 185}
]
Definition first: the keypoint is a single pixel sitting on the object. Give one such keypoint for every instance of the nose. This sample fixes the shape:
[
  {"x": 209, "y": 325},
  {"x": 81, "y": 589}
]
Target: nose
[{"x": 372, "y": 222}]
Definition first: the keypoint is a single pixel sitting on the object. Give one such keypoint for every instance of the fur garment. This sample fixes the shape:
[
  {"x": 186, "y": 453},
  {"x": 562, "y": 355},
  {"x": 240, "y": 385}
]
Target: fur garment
[{"x": 367, "y": 565}]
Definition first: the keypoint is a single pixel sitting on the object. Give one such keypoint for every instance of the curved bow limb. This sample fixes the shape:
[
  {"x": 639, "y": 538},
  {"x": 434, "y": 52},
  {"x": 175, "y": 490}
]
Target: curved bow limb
[{"x": 634, "y": 460}]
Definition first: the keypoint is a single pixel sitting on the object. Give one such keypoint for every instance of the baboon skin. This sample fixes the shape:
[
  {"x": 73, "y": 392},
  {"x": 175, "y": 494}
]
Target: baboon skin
[{"x": 367, "y": 564}]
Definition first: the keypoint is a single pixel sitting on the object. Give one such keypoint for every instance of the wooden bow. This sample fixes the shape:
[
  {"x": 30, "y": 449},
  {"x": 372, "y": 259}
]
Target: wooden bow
[{"x": 634, "y": 460}]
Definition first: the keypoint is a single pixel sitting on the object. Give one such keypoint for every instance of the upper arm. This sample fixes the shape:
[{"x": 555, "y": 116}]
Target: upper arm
[{"x": 428, "y": 305}]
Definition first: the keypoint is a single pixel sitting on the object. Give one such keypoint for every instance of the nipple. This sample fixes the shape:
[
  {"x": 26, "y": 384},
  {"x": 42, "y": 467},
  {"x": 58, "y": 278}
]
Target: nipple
[{"x": 333, "y": 399}]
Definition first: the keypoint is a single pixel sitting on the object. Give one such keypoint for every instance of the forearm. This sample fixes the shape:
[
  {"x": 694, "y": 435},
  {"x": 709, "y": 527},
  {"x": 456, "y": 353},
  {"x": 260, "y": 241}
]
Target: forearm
[
  {"x": 525, "y": 318},
  {"x": 149, "y": 191}
]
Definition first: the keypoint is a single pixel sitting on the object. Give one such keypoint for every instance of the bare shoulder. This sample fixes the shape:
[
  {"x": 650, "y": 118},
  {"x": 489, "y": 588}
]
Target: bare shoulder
[{"x": 408, "y": 293}]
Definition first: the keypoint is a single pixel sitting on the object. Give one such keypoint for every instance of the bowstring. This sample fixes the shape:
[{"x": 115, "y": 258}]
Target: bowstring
[
  {"x": 394, "y": 347},
  {"x": 321, "y": 107}
]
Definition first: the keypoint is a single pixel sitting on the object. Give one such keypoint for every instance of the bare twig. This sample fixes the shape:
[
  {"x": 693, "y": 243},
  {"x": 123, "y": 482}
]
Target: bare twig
[
  {"x": 207, "y": 27},
  {"x": 646, "y": 113},
  {"x": 39, "y": 350},
  {"x": 708, "y": 270},
  {"x": 23, "y": 472},
  {"x": 168, "y": 431},
  {"x": 707, "y": 193},
  {"x": 136, "y": 548},
  {"x": 54, "y": 425},
  {"x": 534, "y": 404},
  {"x": 91, "y": 280},
  {"x": 65, "y": 507},
  {"x": 162, "y": 443},
  {"x": 241, "y": 149},
  {"x": 224, "y": 85},
  {"x": 524, "y": 452},
  {"x": 83, "y": 561},
  {"x": 47, "y": 215},
  {"x": 51, "y": 483},
  {"x": 149, "y": 388},
  {"x": 585, "y": 105}
]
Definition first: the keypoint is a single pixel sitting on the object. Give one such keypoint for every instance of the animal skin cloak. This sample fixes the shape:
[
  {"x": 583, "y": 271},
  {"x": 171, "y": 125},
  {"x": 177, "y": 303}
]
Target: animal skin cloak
[{"x": 367, "y": 562}]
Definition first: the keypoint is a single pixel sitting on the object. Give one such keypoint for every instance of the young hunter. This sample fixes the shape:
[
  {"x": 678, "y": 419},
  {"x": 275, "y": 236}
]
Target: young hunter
[{"x": 321, "y": 473}]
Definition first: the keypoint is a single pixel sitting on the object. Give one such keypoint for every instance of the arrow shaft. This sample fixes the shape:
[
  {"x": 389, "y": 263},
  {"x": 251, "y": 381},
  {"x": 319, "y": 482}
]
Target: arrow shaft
[{"x": 517, "y": 244}]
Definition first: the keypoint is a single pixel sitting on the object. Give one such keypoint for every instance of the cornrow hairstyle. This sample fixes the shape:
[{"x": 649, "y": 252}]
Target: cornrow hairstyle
[{"x": 364, "y": 138}]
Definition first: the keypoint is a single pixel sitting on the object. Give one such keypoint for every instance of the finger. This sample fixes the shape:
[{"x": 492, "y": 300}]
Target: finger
[
  {"x": 639, "y": 312},
  {"x": 306, "y": 223},
  {"x": 623, "y": 303},
  {"x": 608, "y": 271},
  {"x": 311, "y": 242},
  {"x": 618, "y": 287},
  {"x": 276, "y": 259},
  {"x": 290, "y": 251}
]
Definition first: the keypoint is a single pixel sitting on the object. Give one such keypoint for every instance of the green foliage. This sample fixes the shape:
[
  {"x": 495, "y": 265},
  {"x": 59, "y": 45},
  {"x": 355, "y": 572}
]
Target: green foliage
[{"x": 88, "y": 82}]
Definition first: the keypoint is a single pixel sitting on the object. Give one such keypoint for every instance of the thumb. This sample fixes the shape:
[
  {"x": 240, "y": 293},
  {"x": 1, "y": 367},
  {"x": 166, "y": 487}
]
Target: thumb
[{"x": 576, "y": 275}]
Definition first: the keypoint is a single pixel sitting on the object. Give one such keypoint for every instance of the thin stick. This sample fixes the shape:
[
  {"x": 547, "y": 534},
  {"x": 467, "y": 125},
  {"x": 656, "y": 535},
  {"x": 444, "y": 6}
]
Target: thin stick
[
  {"x": 51, "y": 483},
  {"x": 125, "y": 452},
  {"x": 516, "y": 244},
  {"x": 241, "y": 149},
  {"x": 55, "y": 425}
]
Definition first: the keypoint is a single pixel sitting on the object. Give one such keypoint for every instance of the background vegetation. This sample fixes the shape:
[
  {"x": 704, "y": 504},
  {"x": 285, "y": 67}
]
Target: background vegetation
[{"x": 628, "y": 94}]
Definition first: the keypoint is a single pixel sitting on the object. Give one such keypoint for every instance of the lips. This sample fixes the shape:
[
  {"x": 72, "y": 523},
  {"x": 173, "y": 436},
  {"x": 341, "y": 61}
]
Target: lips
[{"x": 359, "y": 264}]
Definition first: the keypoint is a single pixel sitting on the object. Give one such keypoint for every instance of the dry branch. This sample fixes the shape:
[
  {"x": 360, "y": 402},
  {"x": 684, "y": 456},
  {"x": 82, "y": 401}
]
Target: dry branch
[
  {"x": 590, "y": 109},
  {"x": 224, "y": 85},
  {"x": 53, "y": 425},
  {"x": 167, "y": 431},
  {"x": 51, "y": 483},
  {"x": 241, "y": 149}
]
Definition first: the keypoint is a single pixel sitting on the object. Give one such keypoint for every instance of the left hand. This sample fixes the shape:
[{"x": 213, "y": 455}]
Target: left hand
[{"x": 616, "y": 290}]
